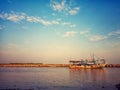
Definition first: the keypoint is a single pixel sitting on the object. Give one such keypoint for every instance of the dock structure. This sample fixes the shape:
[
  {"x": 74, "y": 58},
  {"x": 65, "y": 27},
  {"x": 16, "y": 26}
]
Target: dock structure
[
  {"x": 47, "y": 65},
  {"x": 112, "y": 65},
  {"x": 32, "y": 65}
]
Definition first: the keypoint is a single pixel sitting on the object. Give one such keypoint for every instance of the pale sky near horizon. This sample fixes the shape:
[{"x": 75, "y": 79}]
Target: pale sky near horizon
[{"x": 55, "y": 31}]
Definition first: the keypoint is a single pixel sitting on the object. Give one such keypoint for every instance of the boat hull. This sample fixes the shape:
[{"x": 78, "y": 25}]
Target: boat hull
[{"x": 87, "y": 67}]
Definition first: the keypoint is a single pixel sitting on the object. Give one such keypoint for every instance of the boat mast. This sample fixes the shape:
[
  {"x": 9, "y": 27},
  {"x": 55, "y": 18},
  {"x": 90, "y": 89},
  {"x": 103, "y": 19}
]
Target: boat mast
[{"x": 93, "y": 59}]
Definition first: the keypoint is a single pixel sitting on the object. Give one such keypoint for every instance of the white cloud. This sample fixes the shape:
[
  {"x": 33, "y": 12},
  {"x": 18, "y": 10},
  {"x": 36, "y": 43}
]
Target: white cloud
[
  {"x": 64, "y": 7},
  {"x": 54, "y": 22},
  {"x": 114, "y": 33},
  {"x": 42, "y": 21},
  {"x": 98, "y": 38},
  {"x": 33, "y": 19},
  {"x": 58, "y": 6},
  {"x": 68, "y": 24},
  {"x": 72, "y": 25},
  {"x": 70, "y": 34},
  {"x": 84, "y": 32},
  {"x": 93, "y": 37},
  {"x": 58, "y": 19},
  {"x": 25, "y": 27},
  {"x": 102, "y": 37},
  {"x": 38, "y": 20},
  {"x": 74, "y": 11},
  {"x": 53, "y": 14},
  {"x": 15, "y": 17}
]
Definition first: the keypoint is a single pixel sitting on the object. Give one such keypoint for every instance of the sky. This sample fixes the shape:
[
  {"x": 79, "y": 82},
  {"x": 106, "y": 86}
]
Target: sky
[{"x": 56, "y": 31}]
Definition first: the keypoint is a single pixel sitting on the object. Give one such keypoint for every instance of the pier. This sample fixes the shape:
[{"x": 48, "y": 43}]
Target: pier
[
  {"x": 47, "y": 65},
  {"x": 32, "y": 65},
  {"x": 112, "y": 65}
]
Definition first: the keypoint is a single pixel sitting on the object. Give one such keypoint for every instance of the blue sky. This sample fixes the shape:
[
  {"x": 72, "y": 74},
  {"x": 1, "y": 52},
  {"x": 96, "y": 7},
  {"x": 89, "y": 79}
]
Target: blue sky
[{"x": 55, "y": 31}]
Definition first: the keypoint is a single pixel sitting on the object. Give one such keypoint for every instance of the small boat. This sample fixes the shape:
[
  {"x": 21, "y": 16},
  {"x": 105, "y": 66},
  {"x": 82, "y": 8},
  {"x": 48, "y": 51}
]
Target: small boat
[{"x": 85, "y": 64}]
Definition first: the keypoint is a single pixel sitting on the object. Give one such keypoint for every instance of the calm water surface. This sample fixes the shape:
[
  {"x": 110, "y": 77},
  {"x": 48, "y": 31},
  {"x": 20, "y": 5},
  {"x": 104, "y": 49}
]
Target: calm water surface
[{"x": 58, "y": 78}]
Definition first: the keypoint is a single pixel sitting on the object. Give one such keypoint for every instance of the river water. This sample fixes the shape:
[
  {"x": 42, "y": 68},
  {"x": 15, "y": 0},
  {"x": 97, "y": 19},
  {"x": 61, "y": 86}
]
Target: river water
[{"x": 58, "y": 78}]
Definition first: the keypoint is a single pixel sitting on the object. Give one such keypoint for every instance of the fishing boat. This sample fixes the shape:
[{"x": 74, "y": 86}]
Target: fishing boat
[{"x": 87, "y": 64}]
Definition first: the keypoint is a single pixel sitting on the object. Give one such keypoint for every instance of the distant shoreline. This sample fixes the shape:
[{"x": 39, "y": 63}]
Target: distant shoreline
[{"x": 45, "y": 65}]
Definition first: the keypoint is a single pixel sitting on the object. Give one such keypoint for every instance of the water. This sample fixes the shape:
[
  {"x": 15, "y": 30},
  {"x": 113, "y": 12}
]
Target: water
[{"x": 49, "y": 78}]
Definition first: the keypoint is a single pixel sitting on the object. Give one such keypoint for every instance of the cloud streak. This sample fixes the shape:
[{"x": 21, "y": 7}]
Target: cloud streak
[
  {"x": 15, "y": 17},
  {"x": 98, "y": 38},
  {"x": 38, "y": 20},
  {"x": 70, "y": 34},
  {"x": 74, "y": 11},
  {"x": 19, "y": 17},
  {"x": 42, "y": 21},
  {"x": 84, "y": 32},
  {"x": 107, "y": 36},
  {"x": 114, "y": 33},
  {"x": 68, "y": 24}
]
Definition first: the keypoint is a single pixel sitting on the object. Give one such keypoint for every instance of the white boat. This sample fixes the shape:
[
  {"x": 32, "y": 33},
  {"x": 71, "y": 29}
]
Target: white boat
[{"x": 87, "y": 64}]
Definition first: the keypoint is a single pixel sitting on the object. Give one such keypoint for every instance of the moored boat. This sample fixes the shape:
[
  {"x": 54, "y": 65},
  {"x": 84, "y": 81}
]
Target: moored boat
[{"x": 85, "y": 64}]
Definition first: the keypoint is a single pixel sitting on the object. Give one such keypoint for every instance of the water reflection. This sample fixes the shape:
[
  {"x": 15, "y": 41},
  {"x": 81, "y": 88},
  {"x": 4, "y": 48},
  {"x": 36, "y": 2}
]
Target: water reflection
[
  {"x": 88, "y": 76},
  {"x": 59, "y": 78}
]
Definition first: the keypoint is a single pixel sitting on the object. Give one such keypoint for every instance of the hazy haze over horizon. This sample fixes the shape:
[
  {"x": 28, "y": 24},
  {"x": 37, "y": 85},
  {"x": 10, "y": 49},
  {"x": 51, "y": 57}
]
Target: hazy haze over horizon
[{"x": 55, "y": 31}]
